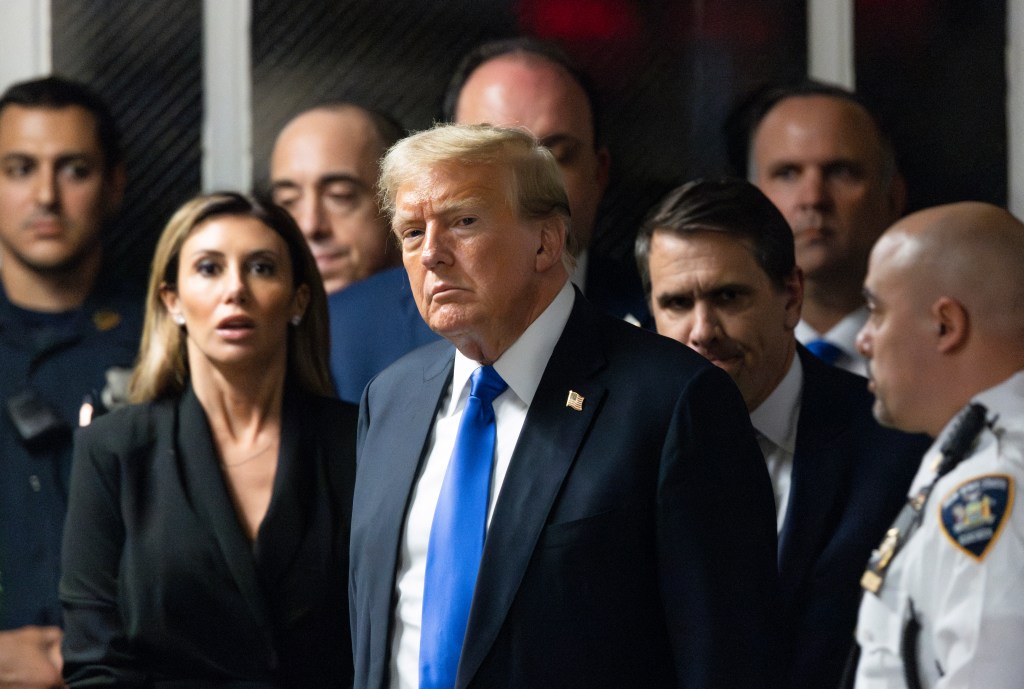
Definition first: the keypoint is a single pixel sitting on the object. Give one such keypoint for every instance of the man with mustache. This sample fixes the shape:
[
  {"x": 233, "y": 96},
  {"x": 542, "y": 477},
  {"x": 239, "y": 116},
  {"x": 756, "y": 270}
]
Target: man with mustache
[
  {"x": 62, "y": 329},
  {"x": 822, "y": 158},
  {"x": 717, "y": 260}
]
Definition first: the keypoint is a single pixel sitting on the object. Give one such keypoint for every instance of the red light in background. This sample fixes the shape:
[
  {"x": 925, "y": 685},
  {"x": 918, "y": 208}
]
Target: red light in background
[{"x": 575, "y": 20}]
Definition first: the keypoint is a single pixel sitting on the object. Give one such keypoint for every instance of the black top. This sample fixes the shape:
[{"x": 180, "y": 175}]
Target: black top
[{"x": 160, "y": 584}]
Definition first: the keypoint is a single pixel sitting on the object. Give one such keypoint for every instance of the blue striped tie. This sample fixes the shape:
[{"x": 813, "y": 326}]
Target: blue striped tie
[{"x": 457, "y": 535}]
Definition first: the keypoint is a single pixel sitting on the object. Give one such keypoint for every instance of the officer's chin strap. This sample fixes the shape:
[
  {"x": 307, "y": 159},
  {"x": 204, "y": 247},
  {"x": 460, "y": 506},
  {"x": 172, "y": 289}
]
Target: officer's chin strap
[{"x": 968, "y": 426}]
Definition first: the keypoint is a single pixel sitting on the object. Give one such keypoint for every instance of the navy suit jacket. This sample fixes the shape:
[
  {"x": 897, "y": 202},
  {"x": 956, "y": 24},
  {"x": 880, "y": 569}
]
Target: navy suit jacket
[
  {"x": 850, "y": 478},
  {"x": 633, "y": 541},
  {"x": 373, "y": 323}
]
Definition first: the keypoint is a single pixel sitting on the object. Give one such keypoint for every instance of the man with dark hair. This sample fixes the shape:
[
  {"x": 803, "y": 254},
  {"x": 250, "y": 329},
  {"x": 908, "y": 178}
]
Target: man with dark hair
[
  {"x": 717, "y": 260},
  {"x": 324, "y": 170},
  {"x": 823, "y": 158},
  {"x": 63, "y": 328},
  {"x": 550, "y": 497},
  {"x": 529, "y": 83}
]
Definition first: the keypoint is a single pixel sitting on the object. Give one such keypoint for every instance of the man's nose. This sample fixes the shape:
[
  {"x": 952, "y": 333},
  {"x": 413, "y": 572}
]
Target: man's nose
[
  {"x": 310, "y": 217},
  {"x": 434, "y": 250},
  {"x": 704, "y": 325},
  {"x": 812, "y": 191},
  {"x": 46, "y": 191}
]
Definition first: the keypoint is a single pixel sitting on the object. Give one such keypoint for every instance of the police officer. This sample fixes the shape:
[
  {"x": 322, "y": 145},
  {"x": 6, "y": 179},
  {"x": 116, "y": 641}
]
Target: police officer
[
  {"x": 63, "y": 329},
  {"x": 944, "y": 599}
]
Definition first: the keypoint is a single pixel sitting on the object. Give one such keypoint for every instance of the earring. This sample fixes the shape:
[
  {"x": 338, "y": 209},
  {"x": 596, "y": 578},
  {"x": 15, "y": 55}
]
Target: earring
[
  {"x": 296, "y": 319},
  {"x": 179, "y": 319}
]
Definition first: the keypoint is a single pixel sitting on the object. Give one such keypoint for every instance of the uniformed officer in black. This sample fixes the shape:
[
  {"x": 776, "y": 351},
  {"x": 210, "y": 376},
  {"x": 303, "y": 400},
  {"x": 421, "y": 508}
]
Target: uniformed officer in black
[{"x": 64, "y": 330}]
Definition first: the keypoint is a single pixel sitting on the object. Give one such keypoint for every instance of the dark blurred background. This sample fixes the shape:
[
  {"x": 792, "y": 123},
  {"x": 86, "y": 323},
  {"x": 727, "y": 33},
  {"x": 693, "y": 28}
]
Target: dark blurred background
[{"x": 667, "y": 73}]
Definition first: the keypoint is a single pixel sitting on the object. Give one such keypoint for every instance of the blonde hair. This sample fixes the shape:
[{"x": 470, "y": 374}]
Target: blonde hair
[
  {"x": 162, "y": 366},
  {"x": 536, "y": 190}
]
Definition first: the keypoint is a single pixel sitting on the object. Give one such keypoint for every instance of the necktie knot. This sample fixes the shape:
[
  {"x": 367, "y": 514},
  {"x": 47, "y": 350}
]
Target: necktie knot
[
  {"x": 824, "y": 350},
  {"x": 457, "y": 535},
  {"x": 486, "y": 384}
]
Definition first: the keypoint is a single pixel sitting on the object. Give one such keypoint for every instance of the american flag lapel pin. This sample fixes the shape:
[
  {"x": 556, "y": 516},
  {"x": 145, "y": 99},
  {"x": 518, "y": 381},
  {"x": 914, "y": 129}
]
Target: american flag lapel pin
[{"x": 574, "y": 401}]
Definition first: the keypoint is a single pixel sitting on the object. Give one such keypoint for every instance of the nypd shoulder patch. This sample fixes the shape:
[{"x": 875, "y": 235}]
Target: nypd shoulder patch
[{"x": 973, "y": 514}]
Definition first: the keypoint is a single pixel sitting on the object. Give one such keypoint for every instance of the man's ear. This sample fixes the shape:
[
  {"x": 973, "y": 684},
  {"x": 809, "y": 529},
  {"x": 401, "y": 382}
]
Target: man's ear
[
  {"x": 794, "y": 291},
  {"x": 897, "y": 196},
  {"x": 552, "y": 242},
  {"x": 952, "y": 323}
]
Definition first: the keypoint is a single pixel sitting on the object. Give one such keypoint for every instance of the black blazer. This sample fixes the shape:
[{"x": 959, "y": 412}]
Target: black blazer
[
  {"x": 632, "y": 544},
  {"x": 850, "y": 478},
  {"x": 160, "y": 583}
]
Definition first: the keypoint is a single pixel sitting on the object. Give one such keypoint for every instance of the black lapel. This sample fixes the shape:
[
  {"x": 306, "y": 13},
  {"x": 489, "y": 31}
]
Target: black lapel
[
  {"x": 817, "y": 472},
  {"x": 546, "y": 449},
  {"x": 399, "y": 433},
  {"x": 209, "y": 494},
  {"x": 284, "y": 526}
]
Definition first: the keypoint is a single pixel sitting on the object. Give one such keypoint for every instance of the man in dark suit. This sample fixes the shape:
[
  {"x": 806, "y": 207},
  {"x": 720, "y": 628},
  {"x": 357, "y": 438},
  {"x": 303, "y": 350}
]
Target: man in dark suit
[
  {"x": 624, "y": 528},
  {"x": 717, "y": 259}
]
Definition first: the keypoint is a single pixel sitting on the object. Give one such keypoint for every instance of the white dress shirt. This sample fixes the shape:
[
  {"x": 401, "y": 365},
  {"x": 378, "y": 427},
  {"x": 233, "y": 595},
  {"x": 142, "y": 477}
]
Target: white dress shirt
[
  {"x": 775, "y": 421},
  {"x": 521, "y": 366},
  {"x": 843, "y": 335}
]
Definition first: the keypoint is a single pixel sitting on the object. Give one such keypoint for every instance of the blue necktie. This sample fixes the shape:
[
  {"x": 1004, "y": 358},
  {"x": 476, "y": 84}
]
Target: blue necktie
[
  {"x": 457, "y": 535},
  {"x": 824, "y": 350}
]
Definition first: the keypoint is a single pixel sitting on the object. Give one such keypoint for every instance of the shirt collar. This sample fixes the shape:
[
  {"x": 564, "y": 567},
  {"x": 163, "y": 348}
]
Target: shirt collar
[
  {"x": 523, "y": 363},
  {"x": 776, "y": 417},
  {"x": 843, "y": 334}
]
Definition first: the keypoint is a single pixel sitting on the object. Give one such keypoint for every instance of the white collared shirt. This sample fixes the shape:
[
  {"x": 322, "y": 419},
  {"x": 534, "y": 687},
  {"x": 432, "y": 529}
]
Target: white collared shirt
[
  {"x": 775, "y": 421},
  {"x": 843, "y": 335},
  {"x": 521, "y": 366}
]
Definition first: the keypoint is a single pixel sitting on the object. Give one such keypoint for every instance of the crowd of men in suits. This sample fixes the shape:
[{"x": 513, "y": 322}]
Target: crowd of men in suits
[{"x": 709, "y": 506}]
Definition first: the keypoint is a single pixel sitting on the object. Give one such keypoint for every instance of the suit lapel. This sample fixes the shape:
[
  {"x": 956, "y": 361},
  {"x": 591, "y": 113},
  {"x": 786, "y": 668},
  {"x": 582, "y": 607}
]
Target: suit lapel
[
  {"x": 284, "y": 526},
  {"x": 205, "y": 485},
  {"x": 544, "y": 453},
  {"x": 816, "y": 479},
  {"x": 406, "y": 423}
]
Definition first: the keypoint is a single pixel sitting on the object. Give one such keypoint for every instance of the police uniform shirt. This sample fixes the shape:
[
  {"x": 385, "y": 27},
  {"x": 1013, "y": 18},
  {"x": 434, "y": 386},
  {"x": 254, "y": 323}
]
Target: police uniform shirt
[
  {"x": 961, "y": 575},
  {"x": 57, "y": 359}
]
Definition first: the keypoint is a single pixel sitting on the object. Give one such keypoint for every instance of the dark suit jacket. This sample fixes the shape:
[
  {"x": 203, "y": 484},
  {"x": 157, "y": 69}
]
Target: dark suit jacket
[
  {"x": 850, "y": 478},
  {"x": 159, "y": 581},
  {"x": 632, "y": 544},
  {"x": 373, "y": 323}
]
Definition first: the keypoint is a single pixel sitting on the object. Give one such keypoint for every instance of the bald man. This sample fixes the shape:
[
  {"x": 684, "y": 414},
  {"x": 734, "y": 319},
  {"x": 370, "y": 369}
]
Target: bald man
[
  {"x": 528, "y": 83},
  {"x": 323, "y": 171},
  {"x": 945, "y": 342},
  {"x": 822, "y": 158}
]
